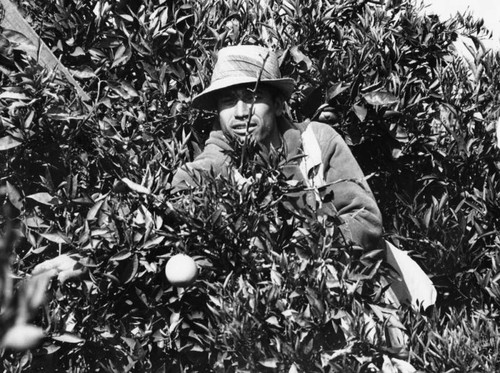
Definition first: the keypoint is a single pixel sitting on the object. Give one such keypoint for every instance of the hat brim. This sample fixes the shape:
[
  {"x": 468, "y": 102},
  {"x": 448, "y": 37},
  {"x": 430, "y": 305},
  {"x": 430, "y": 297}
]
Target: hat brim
[{"x": 207, "y": 100}]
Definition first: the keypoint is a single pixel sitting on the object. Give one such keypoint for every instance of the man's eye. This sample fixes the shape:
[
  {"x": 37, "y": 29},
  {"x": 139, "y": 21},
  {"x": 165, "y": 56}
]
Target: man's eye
[
  {"x": 247, "y": 97},
  {"x": 227, "y": 100},
  {"x": 259, "y": 95}
]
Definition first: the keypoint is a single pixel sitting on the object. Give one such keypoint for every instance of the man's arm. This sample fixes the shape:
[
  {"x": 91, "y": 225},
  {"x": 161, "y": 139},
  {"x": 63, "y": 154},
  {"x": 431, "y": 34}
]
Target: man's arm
[
  {"x": 353, "y": 197},
  {"x": 211, "y": 158}
]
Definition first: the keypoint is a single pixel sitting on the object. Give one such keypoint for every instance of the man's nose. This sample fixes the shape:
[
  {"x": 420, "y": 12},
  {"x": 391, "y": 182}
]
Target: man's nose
[{"x": 242, "y": 109}]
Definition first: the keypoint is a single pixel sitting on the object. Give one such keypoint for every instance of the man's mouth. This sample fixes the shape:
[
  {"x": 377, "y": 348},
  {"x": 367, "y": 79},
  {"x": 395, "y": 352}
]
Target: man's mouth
[{"x": 240, "y": 129}]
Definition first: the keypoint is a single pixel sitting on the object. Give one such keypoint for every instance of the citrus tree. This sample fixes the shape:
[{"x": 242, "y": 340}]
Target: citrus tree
[{"x": 278, "y": 289}]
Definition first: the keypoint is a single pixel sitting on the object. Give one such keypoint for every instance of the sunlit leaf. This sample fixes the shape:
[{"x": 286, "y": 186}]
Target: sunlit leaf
[
  {"x": 13, "y": 96},
  {"x": 360, "y": 112},
  {"x": 14, "y": 196},
  {"x": 380, "y": 98},
  {"x": 122, "y": 255},
  {"x": 135, "y": 187},
  {"x": 50, "y": 349},
  {"x": 68, "y": 338},
  {"x": 269, "y": 363},
  {"x": 335, "y": 90},
  {"x": 45, "y": 198},
  {"x": 83, "y": 72},
  {"x": 299, "y": 57},
  {"x": 273, "y": 321},
  {"x": 497, "y": 131},
  {"x": 124, "y": 89},
  {"x": 20, "y": 41},
  {"x": 57, "y": 237},
  {"x": 35, "y": 222},
  {"x": 93, "y": 211},
  {"x": 8, "y": 142}
]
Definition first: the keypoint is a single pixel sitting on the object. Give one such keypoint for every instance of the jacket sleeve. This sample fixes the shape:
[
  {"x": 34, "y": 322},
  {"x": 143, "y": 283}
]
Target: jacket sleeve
[
  {"x": 212, "y": 158},
  {"x": 352, "y": 196}
]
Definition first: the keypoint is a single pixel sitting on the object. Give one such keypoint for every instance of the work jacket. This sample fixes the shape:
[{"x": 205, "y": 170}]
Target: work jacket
[{"x": 323, "y": 150}]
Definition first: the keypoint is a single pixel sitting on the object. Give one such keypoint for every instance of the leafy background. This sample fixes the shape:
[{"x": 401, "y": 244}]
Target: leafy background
[{"x": 278, "y": 289}]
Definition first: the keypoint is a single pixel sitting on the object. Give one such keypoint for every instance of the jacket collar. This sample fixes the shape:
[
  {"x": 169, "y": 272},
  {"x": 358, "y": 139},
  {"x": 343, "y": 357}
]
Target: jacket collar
[{"x": 291, "y": 140}]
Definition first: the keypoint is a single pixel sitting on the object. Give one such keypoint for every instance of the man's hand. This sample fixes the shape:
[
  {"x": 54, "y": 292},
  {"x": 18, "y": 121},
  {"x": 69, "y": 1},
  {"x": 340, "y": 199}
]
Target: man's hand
[{"x": 64, "y": 267}]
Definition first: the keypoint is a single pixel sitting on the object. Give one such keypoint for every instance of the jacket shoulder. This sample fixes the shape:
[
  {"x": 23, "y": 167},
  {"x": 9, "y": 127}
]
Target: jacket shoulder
[{"x": 323, "y": 131}]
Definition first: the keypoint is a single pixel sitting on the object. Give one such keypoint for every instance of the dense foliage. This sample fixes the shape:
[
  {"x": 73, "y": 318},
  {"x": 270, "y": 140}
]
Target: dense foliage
[{"x": 279, "y": 289}]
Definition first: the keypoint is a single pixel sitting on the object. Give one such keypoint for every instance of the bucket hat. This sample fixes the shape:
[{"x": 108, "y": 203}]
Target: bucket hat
[{"x": 241, "y": 64}]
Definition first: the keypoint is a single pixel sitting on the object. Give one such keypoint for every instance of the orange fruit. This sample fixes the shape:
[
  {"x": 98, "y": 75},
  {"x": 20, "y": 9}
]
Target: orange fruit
[{"x": 181, "y": 270}]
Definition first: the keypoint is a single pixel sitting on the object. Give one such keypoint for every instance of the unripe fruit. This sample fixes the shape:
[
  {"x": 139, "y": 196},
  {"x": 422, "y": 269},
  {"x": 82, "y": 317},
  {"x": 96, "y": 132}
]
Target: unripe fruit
[
  {"x": 181, "y": 270},
  {"x": 22, "y": 337}
]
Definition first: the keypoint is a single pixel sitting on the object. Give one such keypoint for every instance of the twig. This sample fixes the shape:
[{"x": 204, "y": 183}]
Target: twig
[{"x": 254, "y": 90}]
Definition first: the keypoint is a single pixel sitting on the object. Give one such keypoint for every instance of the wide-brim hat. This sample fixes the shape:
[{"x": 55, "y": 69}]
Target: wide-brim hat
[{"x": 242, "y": 64}]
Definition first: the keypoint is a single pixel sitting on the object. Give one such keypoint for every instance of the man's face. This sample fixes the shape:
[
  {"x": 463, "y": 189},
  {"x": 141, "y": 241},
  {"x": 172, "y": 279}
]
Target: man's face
[{"x": 234, "y": 105}]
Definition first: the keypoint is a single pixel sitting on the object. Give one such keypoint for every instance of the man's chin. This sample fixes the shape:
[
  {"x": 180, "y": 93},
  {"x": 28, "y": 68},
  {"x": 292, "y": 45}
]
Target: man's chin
[{"x": 242, "y": 138}]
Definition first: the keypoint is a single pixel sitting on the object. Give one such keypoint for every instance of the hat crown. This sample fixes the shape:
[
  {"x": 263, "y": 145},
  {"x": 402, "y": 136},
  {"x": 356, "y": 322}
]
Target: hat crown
[
  {"x": 243, "y": 64},
  {"x": 246, "y": 61}
]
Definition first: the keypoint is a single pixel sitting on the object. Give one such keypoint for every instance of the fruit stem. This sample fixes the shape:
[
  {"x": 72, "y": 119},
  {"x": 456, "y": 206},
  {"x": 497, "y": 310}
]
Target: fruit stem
[{"x": 180, "y": 291}]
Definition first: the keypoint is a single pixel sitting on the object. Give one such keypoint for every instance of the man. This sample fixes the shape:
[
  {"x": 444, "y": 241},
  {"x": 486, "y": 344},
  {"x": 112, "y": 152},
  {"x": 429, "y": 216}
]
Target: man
[
  {"x": 325, "y": 162},
  {"x": 243, "y": 111},
  {"x": 325, "y": 159}
]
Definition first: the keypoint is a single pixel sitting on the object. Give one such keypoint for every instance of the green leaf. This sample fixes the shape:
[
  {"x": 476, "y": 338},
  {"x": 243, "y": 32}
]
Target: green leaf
[
  {"x": 122, "y": 255},
  {"x": 83, "y": 72},
  {"x": 6, "y": 48},
  {"x": 50, "y": 349},
  {"x": 35, "y": 222},
  {"x": 20, "y": 41},
  {"x": 92, "y": 213},
  {"x": 14, "y": 196},
  {"x": 360, "y": 112},
  {"x": 152, "y": 243},
  {"x": 67, "y": 338},
  {"x": 497, "y": 132},
  {"x": 380, "y": 98},
  {"x": 45, "y": 198},
  {"x": 373, "y": 254},
  {"x": 130, "y": 270},
  {"x": 78, "y": 52},
  {"x": 396, "y": 153},
  {"x": 7, "y": 95},
  {"x": 299, "y": 57},
  {"x": 57, "y": 237},
  {"x": 335, "y": 90},
  {"x": 57, "y": 114},
  {"x": 135, "y": 187},
  {"x": 124, "y": 89},
  {"x": 8, "y": 142},
  {"x": 269, "y": 363},
  {"x": 122, "y": 55},
  {"x": 273, "y": 320}
]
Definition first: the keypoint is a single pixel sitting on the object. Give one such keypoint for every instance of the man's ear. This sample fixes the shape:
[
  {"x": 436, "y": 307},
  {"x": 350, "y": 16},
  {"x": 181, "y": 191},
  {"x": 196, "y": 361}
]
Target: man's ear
[{"x": 278, "y": 105}]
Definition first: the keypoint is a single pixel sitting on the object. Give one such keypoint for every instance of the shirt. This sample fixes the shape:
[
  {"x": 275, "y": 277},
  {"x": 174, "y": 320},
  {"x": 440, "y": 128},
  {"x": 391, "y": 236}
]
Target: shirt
[{"x": 338, "y": 170}]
